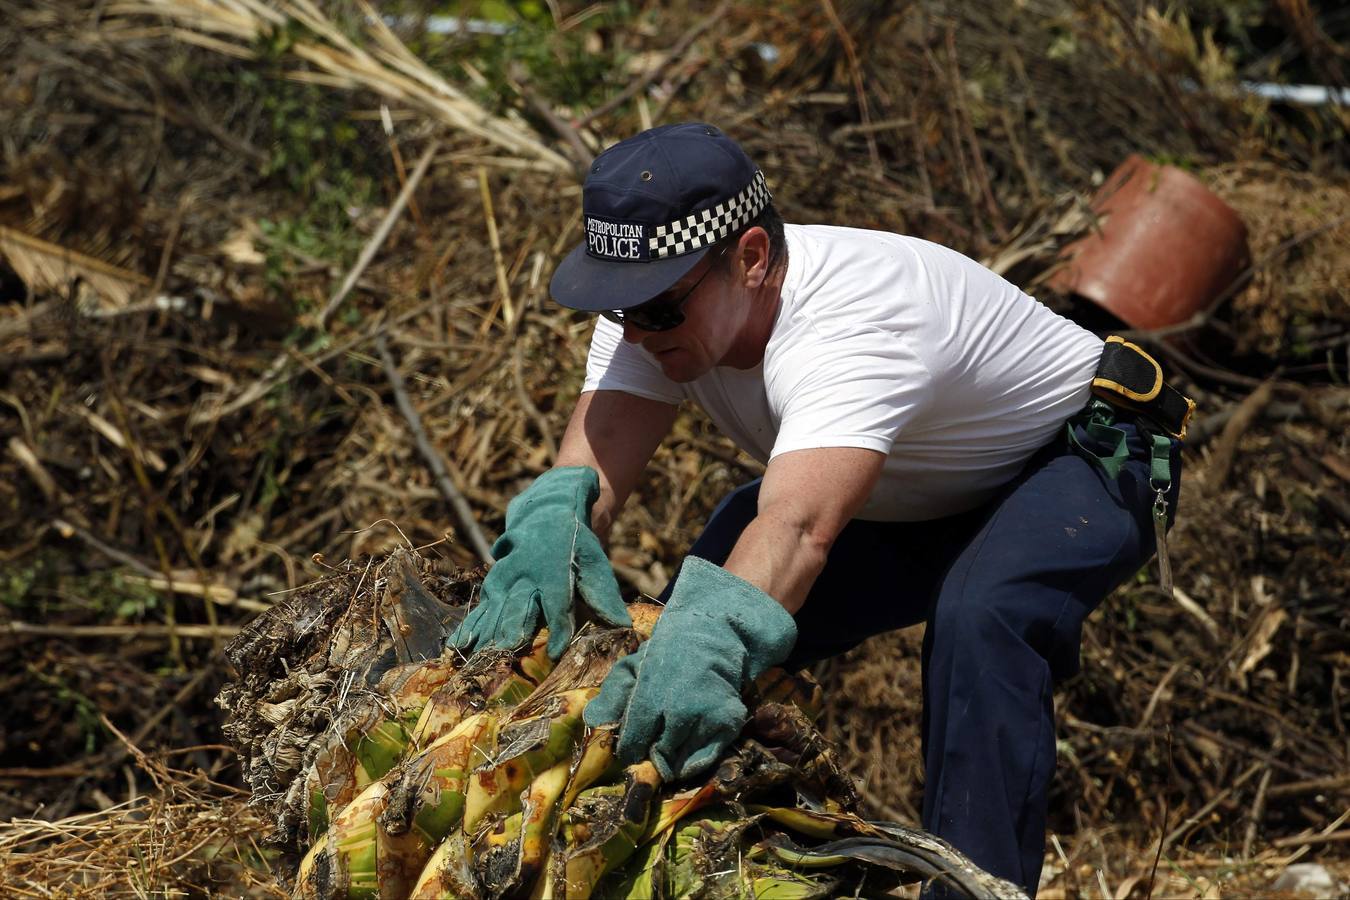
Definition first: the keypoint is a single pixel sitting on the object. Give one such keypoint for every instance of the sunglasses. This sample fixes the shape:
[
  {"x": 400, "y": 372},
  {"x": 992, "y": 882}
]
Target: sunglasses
[{"x": 664, "y": 311}]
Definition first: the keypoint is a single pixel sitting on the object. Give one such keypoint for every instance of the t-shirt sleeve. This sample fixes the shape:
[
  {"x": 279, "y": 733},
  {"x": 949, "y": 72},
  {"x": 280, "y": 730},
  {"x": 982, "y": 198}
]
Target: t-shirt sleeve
[
  {"x": 613, "y": 364},
  {"x": 857, "y": 388}
]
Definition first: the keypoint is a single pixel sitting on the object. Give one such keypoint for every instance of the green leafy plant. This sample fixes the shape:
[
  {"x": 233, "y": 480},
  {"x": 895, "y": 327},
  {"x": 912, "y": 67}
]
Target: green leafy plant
[
  {"x": 569, "y": 66},
  {"x": 83, "y": 710}
]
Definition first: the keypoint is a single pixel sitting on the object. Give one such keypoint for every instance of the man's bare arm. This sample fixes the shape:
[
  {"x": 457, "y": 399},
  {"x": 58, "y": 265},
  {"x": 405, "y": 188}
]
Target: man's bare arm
[
  {"x": 807, "y": 498},
  {"x": 616, "y": 434}
]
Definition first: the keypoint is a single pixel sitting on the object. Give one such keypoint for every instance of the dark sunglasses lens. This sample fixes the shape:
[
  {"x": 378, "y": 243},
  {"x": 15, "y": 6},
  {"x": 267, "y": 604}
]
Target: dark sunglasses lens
[
  {"x": 660, "y": 317},
  {"x": 656, "y": 317},
  {"x": 648, "y": 317}
]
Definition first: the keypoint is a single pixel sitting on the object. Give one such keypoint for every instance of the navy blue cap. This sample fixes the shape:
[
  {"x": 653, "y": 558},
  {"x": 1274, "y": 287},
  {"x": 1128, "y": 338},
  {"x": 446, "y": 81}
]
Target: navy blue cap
[{"x": 652, "y": 206}]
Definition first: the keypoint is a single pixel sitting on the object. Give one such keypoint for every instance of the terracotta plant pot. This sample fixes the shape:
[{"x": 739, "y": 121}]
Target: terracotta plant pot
[{"x": 1165, "y": 248}]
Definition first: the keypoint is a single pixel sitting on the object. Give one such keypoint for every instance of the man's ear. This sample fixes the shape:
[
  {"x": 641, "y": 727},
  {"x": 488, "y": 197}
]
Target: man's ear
[{"x": 752, "y": 260}]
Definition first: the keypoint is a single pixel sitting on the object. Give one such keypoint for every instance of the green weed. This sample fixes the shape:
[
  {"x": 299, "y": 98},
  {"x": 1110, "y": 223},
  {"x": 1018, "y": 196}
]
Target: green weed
[
  {"x": 561, "y": 67},
  {"x": 83, "y": 709},
  {"x": 40, "y": 589}
]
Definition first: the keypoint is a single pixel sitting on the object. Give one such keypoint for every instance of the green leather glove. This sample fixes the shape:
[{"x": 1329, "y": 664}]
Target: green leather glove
[
  {"x": 547, "y": 556},
  {"x": 679, "y": 695}
]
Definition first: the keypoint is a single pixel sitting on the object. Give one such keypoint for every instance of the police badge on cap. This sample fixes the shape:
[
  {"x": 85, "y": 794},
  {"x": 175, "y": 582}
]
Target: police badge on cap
[{"x": 623, "y": 241}]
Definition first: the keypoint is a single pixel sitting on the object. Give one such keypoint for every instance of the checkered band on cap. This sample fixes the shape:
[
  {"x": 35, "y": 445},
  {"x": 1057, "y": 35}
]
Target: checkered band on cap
[{"x": 701, "y": 229}]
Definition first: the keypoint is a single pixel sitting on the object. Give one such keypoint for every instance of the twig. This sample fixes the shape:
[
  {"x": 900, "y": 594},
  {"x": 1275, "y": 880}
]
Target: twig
[
  {"x": 104, "y": 631},
  {"x": 916, "y": 139},
  {"x": 44, "y": 265},
  {"x": 156, "y": 579},
  {"x": 845, "y": 131},
  {"x": 278, "y": 372},
  {"x": 270, "y": 378},
  {"x": 581, "y": 154},
  {"x": 28, "y": 360},
  {"x": 1205, "y": 810},
  {"x": 1156, "y": 697},
  {"x": 545, "y": 433},
  {"x": 33, "y": 466},
  {"x": 976, "y": 153},
  {"x": 1335, "y": 837},
  {"x": 1187, "y": 603},
  {"x": 754, "y": 468},
  {"x": 677, "y": 51},
  {"x": 494, "y": 240},
  {"x": 1166, "y": 811},
  {"x": 1335, "y": 466},
  {"x": 1206, "y": 428},
  {"x": 399, "y": 168},
  {"x": 121, "y": 440},
  {"x": 381, "y": 234},
  {"x": 1199, "y": 731},
  {"x": 114, "y": 755},
  {"x": 1019, "y": 155},
  {"x": 1259, "y": 804},
  {"x": 435, "y": 461},
  {"x": 1326, "y": 836},
  {"x": 68, "y": 528},
  {"x": 855, "y": 72},
  {"x": 1221, "y": 460},
  {"x": 385, "y": 66},
  {"x": 1337, "y": 783},
  {"x": 673, "y": 88},
  {"x": 170, "y": 243}
]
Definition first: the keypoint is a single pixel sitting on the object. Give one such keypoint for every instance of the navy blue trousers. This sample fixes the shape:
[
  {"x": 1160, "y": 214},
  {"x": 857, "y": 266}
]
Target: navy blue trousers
[{"x": 1004, "y": 590}]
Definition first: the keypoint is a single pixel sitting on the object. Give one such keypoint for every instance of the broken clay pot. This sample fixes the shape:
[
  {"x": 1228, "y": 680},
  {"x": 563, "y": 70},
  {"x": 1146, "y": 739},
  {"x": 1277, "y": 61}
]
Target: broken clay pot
[{"x": 1164, "y": 247}]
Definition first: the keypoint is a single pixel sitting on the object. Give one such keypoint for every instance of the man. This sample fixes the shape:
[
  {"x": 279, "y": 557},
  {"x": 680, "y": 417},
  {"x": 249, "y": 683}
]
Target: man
[{"x": 911, "y": 407}]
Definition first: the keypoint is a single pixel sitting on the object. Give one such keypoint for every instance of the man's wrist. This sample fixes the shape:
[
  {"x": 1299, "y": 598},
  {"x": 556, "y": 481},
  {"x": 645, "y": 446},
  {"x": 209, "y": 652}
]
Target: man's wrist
[{"x": 765, "y": 628}]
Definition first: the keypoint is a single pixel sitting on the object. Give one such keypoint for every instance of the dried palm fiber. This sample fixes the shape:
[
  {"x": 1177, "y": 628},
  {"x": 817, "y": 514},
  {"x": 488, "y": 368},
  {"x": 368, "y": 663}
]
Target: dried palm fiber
[
  {"x": 388, "y": 68},
  {"x": 45, "y": 267},
  {"x": 404, "y": 773}
]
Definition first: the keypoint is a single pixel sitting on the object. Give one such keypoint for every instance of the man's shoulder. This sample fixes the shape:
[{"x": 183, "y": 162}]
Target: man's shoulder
[
  {"x": 823, "y": 245},
  {"x": 838, "y": 233},
  {"x": 849, "y": 265}
]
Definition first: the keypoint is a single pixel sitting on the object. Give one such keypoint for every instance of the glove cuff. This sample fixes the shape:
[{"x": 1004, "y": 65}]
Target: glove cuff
[
  {"x": 574, "y": 488},
  {"x": 765, "y": 628}
]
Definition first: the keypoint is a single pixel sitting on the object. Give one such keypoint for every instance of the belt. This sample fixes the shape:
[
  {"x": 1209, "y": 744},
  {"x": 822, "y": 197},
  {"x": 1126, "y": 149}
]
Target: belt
[{"x": 1129, "y": 378}]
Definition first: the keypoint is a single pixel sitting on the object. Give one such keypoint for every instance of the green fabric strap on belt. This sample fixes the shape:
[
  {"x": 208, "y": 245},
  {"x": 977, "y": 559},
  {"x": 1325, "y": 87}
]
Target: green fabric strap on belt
[
  {"x": 1099, "y": 426},
  {"x": 1098, "y": 420},
  {"x": 1160, "y": 469}
]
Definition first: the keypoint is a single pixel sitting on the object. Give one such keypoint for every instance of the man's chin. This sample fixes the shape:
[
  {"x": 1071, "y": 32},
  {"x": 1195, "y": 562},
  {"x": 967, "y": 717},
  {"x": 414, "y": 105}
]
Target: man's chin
[
  {"x": 679, "y": 376},
  {"x": 678, "y": 370}
]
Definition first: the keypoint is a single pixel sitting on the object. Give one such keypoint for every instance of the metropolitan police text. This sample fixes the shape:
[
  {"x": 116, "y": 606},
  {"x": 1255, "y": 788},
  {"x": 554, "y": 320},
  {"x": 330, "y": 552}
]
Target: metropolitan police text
[{"x": 614, "y": 240}]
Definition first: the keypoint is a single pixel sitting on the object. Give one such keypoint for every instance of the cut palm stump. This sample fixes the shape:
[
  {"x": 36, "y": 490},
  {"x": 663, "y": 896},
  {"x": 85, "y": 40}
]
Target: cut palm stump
[{"x": 396, "y": 772}]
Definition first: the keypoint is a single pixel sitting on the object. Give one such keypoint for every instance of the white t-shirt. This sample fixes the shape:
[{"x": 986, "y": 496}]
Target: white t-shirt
[{"x": 894, "y": 344}]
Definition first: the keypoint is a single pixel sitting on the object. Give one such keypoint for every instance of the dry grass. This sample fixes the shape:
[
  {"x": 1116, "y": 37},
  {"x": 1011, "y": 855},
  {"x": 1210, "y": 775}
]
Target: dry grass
[{"x": 179, "y": 841}]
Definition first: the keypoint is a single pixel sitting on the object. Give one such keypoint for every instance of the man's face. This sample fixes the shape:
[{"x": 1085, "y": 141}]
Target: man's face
[{"x": 713, "y": 316}]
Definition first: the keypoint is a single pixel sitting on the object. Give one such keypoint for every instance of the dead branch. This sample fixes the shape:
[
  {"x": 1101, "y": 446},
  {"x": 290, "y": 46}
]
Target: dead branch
[
  {"x": 1221, "y": 459},
  {"x": 440, "y": 470}
]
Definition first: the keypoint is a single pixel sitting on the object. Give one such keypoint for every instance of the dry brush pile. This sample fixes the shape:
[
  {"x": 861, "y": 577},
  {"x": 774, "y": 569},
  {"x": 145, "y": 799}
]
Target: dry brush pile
[{"x": 403, "y": 772}]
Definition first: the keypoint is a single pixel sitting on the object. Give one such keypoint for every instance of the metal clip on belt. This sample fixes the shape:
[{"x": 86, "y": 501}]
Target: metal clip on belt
[{"x": 1128, "y": 378}]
